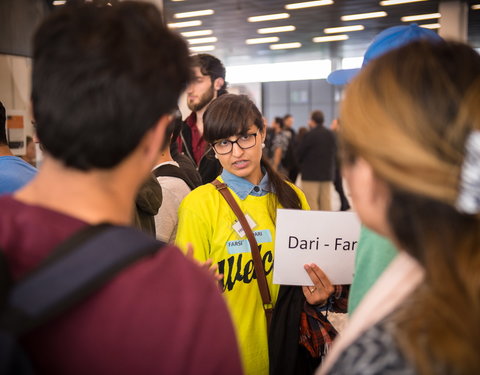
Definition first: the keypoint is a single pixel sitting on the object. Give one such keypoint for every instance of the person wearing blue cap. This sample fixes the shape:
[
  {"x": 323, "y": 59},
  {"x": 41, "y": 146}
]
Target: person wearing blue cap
[
  {"x": 387, "y": 40},
  {"x": 411, "y": 150},
  {"x": 375, "y": 252}
]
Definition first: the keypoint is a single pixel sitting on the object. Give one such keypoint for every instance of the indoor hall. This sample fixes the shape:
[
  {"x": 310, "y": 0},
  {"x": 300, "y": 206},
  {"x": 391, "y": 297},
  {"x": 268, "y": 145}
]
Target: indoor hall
[{"x": 280, "y": 62}]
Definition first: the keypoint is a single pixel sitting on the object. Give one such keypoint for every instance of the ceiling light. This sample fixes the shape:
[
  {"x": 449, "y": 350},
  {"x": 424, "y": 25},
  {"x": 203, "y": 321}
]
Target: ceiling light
[
  {"x": 211, "y": 39},
  {"x": 59, "y": 2},
  {"x": 363, "y": 16},
  {"x": 189, "y": 34},
  {"x": 271, "y": 39},
  {"x": 430, "y": 26},
  {"x": 279, "y": 29},
  {"x": 330, "y": 38},
  {"x": 476, "y": 6},
  {"x": 308, "y": 4},
  {"x": 286, "y": 45},
  {"x": 198, "y": 13},
  {"x": 343, "y": 29},
  {"x": 202, "y": 48},
  {"x": 177, "y": 25},
  {"x": 397, "y": 2},
  {"x": 420, "y": 17},
  {"x": 268, "y": 17}
]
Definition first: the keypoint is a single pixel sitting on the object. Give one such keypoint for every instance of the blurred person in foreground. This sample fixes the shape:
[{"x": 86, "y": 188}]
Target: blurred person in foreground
[
  {"x": 410, "y": 141},
  {"x": 105, "y": 82}
]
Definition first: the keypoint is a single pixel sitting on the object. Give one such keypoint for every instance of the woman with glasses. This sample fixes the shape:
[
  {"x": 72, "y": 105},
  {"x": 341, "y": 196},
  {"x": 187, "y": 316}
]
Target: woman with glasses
[{"x": 235, "y": 129}]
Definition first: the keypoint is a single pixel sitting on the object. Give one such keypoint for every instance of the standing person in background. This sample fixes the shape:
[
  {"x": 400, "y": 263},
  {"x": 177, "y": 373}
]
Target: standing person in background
[
  {"x": 175, "y": 183},
  {"x": 316, "y": 155},
  {"x": 14, "y": 172},
  {"x": 208, "y": 83},
  {"x": 375, "y": 252},
  {"x": 338, "y": 180},
  {"x": 281, "y": 139},
  {"x": 235, "y": 129},
  {"x": 105, "y": 80},
  {"x": 290, "y": 158},
  {"x": 411, "y": 150}
]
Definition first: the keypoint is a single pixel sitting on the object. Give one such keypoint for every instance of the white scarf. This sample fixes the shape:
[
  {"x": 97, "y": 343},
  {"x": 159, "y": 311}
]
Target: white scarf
[{"x": 396, "y": 283}]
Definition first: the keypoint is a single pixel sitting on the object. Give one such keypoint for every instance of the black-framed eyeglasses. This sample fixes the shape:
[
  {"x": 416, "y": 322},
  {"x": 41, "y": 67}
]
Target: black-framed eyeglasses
[{"x": 225, "y": 146}]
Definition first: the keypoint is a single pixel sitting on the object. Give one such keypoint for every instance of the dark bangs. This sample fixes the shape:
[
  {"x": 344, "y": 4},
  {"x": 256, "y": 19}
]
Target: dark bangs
[{"x": 230, "y": 115}]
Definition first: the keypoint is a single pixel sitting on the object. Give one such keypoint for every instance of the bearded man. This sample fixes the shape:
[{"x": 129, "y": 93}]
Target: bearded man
[{"x": 208, "y": 83}]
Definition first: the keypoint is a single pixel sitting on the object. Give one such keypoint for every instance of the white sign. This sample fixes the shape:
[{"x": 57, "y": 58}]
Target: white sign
[{"x": 328, "y": 239}]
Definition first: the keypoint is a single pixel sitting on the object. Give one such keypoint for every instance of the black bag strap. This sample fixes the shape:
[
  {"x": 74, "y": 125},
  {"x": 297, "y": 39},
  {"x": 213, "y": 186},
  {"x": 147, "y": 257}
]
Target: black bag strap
[
  {"x": 257, "y": 259},
  {"x": 173, "y": 171},
  {"x": 77, "y": 268}
]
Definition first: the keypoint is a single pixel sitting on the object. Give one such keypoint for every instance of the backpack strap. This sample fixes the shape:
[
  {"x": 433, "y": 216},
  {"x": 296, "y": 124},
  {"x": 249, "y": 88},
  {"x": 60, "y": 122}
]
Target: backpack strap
[
  {"x": 78, "y": 267},
  {"x": 173, "y": 171},
  {"x": 257, "y": 259}
]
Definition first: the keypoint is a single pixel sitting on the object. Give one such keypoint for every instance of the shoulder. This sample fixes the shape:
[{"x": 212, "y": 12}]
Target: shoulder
[
  {"x": 201, "y": 198},
  {"x": 375, "y": 352},
  {"x": 15, "y": 161}
]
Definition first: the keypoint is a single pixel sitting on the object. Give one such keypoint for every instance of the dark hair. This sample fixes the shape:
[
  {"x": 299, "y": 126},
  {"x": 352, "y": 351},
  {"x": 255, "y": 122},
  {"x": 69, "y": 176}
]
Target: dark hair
[
  {"x": 317, "y": 117},
  {"x": 211, "y": 66},
  {"x": 231, "y": 115},
  {"x": 279, "y": 121},
  {"x": 288, "y": 115},
  {"x": 102, "y": 77},
  {"x": 173, "y": 130},
  {"x": 3, "y": 125}
]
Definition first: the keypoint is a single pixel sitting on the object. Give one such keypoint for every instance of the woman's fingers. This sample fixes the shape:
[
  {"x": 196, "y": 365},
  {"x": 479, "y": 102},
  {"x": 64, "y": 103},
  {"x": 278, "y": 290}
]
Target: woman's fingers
[
  {"x": 322, "y": 287},
  {"x": 208, "y": 265},
  {"x": 321, "y": 277}
]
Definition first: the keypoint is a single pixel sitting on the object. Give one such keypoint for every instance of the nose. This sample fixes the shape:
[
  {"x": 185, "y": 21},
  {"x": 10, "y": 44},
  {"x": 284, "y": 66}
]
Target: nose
[{"x": 236, "y": 150}]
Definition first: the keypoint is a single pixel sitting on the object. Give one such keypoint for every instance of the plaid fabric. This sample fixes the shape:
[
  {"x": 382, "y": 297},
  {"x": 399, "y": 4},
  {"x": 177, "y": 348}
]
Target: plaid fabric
[{"x": 316, "y": 331}]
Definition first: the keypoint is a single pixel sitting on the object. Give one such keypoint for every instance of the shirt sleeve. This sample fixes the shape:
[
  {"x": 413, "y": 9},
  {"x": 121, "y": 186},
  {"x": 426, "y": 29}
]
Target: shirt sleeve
[{"x": 193, "y": 228}]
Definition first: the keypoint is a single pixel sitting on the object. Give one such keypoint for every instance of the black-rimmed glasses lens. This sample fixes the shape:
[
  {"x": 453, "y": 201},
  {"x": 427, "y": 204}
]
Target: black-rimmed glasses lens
[{"x": 225, "y": 146}]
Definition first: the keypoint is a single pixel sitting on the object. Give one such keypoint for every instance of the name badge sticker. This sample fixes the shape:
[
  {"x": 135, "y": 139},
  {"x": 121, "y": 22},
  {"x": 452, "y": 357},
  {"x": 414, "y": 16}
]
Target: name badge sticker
[
  {"x": 237, "y": 226},
  {"x": 238, "y": 246},
  {"x": 263, "y": 236}
]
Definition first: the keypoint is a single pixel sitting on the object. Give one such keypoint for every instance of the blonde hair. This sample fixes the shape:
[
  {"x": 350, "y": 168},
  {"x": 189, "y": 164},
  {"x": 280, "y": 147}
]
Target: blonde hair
[{"x": 408, "y": 115}]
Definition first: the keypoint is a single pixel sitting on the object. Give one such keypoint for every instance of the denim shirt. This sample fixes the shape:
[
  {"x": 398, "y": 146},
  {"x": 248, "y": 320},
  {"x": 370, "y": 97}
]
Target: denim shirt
[{"x": 243, "y": 188}]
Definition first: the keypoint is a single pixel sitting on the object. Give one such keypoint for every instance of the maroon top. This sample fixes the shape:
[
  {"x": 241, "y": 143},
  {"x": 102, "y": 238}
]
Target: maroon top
[
  {"x": 161, "y": 315},
  {"x": 199, "y": 145}
]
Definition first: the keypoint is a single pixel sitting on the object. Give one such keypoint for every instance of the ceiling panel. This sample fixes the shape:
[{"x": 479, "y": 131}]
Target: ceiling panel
[{"x": 230, "y": 27}]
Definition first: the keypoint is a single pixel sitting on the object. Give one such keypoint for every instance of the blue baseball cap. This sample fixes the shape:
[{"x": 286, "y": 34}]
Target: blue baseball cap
[{"x": 387, "y": 40}]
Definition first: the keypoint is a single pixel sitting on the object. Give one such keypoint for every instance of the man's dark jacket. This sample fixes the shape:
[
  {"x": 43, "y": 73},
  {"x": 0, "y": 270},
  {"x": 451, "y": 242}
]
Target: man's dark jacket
[{"x": 316, "y": 155}]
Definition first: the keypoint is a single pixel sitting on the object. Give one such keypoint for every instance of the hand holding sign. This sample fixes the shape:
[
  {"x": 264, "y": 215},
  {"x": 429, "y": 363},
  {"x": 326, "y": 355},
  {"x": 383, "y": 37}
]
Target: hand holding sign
[
  {"x": 322, "y": 287},
  {"x": 328, "y": 239}
]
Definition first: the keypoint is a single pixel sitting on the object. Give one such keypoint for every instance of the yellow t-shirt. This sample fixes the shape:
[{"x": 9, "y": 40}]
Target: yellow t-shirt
[{"x": 208, "y": 223}]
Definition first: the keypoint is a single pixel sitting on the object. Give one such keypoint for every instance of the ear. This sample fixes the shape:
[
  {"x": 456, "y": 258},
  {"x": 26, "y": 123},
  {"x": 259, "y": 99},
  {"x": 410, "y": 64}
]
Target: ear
[
  {"x": 218, "y": 83},
  {"x": 263, "y": 133},
  {"x": 153, "y": 139}
]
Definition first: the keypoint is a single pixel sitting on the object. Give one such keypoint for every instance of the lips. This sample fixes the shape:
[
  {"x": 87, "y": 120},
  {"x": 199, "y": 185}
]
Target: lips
[{"x": 240, "y": 164}]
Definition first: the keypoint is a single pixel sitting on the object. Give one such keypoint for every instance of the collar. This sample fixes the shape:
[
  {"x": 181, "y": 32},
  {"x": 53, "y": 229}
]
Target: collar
[
  {"x": 244, "y": 188},
  {"x": 170, "y": 162},
  {"x": 191, "y": 120}
]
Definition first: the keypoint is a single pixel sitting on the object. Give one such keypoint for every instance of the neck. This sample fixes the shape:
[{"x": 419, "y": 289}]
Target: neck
[
  {"x": 199, "y": 122},
  {"x": 94, "y": 196},
  {"x": 5, "y": 150},
  {"x": 164, "y": 156}
]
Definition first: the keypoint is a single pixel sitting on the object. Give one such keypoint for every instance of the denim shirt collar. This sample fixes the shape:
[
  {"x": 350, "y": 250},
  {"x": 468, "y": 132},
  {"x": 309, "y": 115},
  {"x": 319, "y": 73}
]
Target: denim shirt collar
[{"x": 243, "y": 188}]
